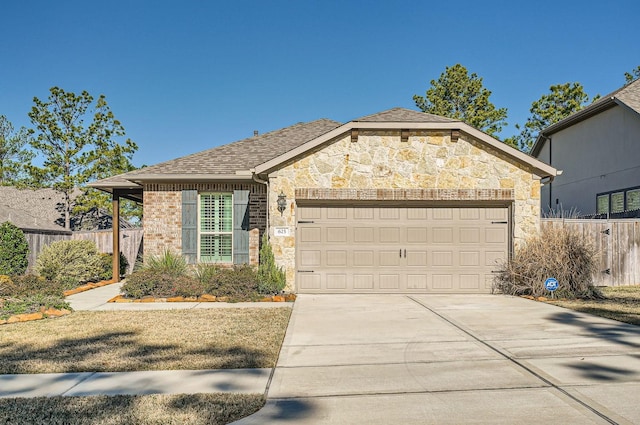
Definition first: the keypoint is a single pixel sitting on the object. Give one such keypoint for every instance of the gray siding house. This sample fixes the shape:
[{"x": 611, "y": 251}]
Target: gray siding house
[{"x": 598, "y": 151}]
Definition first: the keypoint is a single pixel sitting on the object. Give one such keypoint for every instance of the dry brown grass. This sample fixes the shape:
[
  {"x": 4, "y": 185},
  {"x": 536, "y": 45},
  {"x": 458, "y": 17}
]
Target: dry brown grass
[
  {"x": 145, "y": 340},
  {"x": 192, "y": 409},
  {"x": 621, "y": 303}
]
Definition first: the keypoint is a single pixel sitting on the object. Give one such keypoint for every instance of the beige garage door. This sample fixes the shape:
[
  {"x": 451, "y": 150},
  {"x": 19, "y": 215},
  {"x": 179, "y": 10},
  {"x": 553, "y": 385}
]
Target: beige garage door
[{"x": 399, "y": 250}]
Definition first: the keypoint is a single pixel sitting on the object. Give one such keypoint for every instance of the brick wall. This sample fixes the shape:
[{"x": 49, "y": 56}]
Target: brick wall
[{"x": 163, "y": 212}]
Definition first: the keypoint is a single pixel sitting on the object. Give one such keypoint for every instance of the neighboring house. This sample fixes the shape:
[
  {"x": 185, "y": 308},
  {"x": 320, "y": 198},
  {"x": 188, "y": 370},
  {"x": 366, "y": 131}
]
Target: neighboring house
[
  {"x": 598, "y": 151},
  {"x": 398, "y": 201},
  {"x": 44, "y": 209}
]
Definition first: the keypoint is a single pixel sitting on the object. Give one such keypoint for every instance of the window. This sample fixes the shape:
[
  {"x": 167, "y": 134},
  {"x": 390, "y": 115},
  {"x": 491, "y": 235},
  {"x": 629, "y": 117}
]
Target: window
[
  {"x": 617, "y": 202},
  {"x": 633, "y": 200},
  {"x": 603, "y": 204},
  {"x": 215, "y": 225}
]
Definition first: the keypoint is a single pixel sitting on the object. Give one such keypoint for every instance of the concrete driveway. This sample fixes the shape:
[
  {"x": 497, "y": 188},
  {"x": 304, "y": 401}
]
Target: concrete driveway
[{"x": 451, "y": 359}]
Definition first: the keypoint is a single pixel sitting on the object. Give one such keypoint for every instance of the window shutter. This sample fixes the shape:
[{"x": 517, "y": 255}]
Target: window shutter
[
  {"x": 240, "y": 227},
  {"x": 190, "y": 225}
]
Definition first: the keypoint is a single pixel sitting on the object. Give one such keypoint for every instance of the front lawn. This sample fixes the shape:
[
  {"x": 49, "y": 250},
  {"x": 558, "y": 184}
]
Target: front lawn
[
  {"x": 621, "y": 303},
  {"x": 145, "y": 340},
  {"x": 181, "y": 409}
]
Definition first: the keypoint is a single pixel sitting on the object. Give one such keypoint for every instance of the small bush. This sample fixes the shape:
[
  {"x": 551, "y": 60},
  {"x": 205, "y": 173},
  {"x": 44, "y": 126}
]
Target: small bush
[
  {"x": 31, "y": 304},
  {"x": 206, "y": 272},
  {"x": 7, "y": 287},
  {"x": 168, "y": 263},
  {"x": 271, "y": 278},
  {"x": 13, "y": 250},
  {"x": 186, "y": 286},
  {"x": 558, "y": 252},
  {"x": 30, "y": 284},
  {"x": 107, "y": 266},
  {"x": 239, "y": 283},
  {"x": 72, "y": 261}
]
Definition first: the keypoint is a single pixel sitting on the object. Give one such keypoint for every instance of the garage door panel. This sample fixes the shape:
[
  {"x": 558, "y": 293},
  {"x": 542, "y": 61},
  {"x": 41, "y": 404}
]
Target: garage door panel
[
  {"x": 389, "y": 281},
  {"x": 363, "y": 234},
  {"x": 442, "y": 281},
  {"x": 495, "y": 235},
  {"x": 310, "y": 234},
  {"x": 401, "y": 250},
  {"x": 363, "y": 258},
  {"x": 336, "y": 281},
  {"x": 442, "y": 235},
  {"x": 363, "y": 281},
  {"x": 336, "y": 258},
  {"x": 417, "y": 258},
  {"x": 337, "y": 234},
  {"x": 389, "y": 258}
]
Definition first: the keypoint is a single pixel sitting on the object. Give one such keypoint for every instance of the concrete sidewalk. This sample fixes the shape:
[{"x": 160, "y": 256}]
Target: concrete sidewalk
[
  {"x": 145, "y": 382},
  {"x": 451, "y": 359}
]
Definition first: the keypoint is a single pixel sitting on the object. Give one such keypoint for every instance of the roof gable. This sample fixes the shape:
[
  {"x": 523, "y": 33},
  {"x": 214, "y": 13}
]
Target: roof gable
[
  {"x": 403, "y": 115},
  {"x": 261, "y": 154},
  {"x": 628, "y": 95}
]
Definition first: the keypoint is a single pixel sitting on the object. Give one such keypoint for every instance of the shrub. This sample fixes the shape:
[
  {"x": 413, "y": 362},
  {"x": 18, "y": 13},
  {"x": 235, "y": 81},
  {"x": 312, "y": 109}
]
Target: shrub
[
  {"x": 206, "y": 272},
  {"x": 107, "y": 265},
  {"x": 7, "y": 287},
  {"x": 158, "y": 284},
  {"x": 13, "y": 250},
  {"x": 239, "y": 283},
  {"x": 271, "y": 278},
  {"x": 558, "y": 252},
  {"x": 30, "y": 284},
  {"x": 168, "y": 263},
  {"x": 31, "y": 304},
  {"x": 187, "y": 286},
  {"x": 73, "y": 261}
]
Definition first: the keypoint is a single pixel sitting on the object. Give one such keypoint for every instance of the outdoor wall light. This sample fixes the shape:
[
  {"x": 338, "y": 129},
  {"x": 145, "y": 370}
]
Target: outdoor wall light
[{"x": 282, "y": 202}]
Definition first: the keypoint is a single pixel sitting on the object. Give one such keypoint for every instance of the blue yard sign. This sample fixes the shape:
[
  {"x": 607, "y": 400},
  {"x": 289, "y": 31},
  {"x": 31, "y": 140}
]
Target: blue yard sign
[{"x": 551, "y": 284}]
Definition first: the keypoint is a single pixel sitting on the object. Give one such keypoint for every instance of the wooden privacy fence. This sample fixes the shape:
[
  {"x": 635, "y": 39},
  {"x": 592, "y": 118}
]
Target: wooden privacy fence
[
  {"x": 617, "y": 242},
  {"x": 130, "y": 242}
]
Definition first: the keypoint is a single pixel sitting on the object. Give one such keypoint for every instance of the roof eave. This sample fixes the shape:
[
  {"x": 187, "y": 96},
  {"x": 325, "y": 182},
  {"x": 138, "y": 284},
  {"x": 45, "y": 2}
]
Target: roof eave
[
  {"x": 190, "y": 178},
  {"x": 581, "y": 115}
]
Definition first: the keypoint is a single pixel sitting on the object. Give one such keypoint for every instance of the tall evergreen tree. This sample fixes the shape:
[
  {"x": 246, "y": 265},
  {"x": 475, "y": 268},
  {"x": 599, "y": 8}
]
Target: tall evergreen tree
[
  {"x": 460, "y": 95},
  {"x": 561, "y": 101},
  {"x": 14, "y": 154},
  {"x": 75, "y": 152}
]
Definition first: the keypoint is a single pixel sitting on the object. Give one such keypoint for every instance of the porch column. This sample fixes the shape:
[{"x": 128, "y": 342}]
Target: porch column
[{"x": 116, "y": 236}]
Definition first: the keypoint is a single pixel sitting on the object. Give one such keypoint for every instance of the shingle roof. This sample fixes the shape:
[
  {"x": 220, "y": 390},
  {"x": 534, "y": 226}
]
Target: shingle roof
[
  {"x": 403, "y": 115},
  {"x": 243, "y": 154},
  {"x": 630, "y": 95},
  {"x": 31, "y": 209}
]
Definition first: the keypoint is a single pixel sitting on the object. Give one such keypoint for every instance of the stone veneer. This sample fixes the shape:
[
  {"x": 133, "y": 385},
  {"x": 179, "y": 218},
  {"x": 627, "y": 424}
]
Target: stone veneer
[{"x": 428, "y": 160}]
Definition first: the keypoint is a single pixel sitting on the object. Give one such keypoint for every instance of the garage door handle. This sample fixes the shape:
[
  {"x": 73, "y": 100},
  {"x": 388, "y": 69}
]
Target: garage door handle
[
  {"x": 306, "y": 222},
  {"x": 400, "y": 253},
  {"x": 499, "y": 222},
  {"x": 305, "y": 271}
]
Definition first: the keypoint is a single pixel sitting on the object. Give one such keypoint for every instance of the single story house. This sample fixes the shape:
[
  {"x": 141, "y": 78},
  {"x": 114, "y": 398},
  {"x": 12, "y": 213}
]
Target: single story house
[
  {"x": 598, "y": 150},
  {"x": 395, "y": 202}
]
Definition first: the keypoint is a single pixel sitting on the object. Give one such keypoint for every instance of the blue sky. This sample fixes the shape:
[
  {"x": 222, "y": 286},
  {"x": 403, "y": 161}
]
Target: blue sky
[{"x": 184, "y": 76}]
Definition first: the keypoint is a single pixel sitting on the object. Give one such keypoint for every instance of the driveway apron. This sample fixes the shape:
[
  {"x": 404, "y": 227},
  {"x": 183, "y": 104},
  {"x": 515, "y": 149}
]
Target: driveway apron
[{"x": 451, "y": 359}]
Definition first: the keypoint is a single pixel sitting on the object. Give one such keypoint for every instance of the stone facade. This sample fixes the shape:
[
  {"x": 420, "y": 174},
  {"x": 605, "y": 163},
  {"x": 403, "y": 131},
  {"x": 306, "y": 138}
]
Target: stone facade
[
  {"x": 462, "y": 168},
  {"x": 163, "y": 213}
]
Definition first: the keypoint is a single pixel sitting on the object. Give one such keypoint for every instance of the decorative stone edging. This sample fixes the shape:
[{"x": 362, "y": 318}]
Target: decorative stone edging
[
  {"x": 87, "y": 286},
  {"x": 42, "y": 314},
  {"x": 206, "y": 298}
]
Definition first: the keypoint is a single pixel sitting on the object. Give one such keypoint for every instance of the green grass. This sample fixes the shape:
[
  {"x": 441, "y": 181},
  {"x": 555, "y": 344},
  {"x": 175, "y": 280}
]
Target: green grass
[
  {"x": 621, "y": 303},
  {"x": 187, "y": 409}
]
